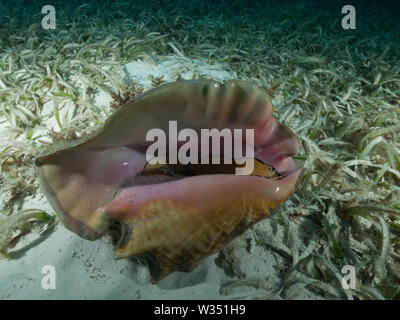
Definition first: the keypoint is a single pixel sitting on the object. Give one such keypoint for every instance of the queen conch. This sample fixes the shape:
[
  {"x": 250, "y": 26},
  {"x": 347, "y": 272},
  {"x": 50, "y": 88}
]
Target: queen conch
[{"x": 172, "y": 215}]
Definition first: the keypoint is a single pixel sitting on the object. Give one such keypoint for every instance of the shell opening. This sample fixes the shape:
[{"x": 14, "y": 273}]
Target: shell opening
[{"x": 159, "y": 173}]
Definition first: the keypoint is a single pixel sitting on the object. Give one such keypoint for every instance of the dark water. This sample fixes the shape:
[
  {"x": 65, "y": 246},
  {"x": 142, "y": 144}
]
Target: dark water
[
  {"x": 187, "y": 20},
  {"x": 384, "y": 15}
]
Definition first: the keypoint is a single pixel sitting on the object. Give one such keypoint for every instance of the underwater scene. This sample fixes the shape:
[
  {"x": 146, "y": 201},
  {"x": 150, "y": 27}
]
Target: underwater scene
[{"x": 200, "y": 150}]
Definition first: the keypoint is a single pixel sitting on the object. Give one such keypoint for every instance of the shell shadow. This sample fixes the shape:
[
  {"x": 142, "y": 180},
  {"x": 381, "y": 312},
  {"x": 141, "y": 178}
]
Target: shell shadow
[{"x": 180, "y": 280}]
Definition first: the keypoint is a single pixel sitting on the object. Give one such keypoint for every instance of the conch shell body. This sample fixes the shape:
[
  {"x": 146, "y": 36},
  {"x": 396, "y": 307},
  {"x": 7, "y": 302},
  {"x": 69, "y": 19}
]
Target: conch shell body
[{"x": 173, "y": 215}]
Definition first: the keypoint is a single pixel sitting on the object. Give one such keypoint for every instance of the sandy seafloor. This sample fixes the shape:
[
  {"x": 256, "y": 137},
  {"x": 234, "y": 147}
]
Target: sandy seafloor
[{"x": 88, "y": 270}]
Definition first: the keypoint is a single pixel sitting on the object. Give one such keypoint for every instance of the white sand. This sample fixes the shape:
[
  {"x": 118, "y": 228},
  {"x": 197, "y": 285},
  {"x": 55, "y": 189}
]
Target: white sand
[{"x": 88, "y": 270}]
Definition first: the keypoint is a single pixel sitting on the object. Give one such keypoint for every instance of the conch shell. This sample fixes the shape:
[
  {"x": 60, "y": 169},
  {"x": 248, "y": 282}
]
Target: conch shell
[{"x": 173, "y": 215}]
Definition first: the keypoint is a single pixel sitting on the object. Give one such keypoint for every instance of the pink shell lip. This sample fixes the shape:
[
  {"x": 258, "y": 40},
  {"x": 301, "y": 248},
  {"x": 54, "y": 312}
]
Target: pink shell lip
[
  {"x": 275, "y": 145},
  {"x": 198, "y": 194}
]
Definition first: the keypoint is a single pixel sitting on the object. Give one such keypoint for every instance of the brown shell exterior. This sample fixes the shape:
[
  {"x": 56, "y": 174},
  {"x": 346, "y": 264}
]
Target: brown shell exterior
[{"x": 175, "y": 237}]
